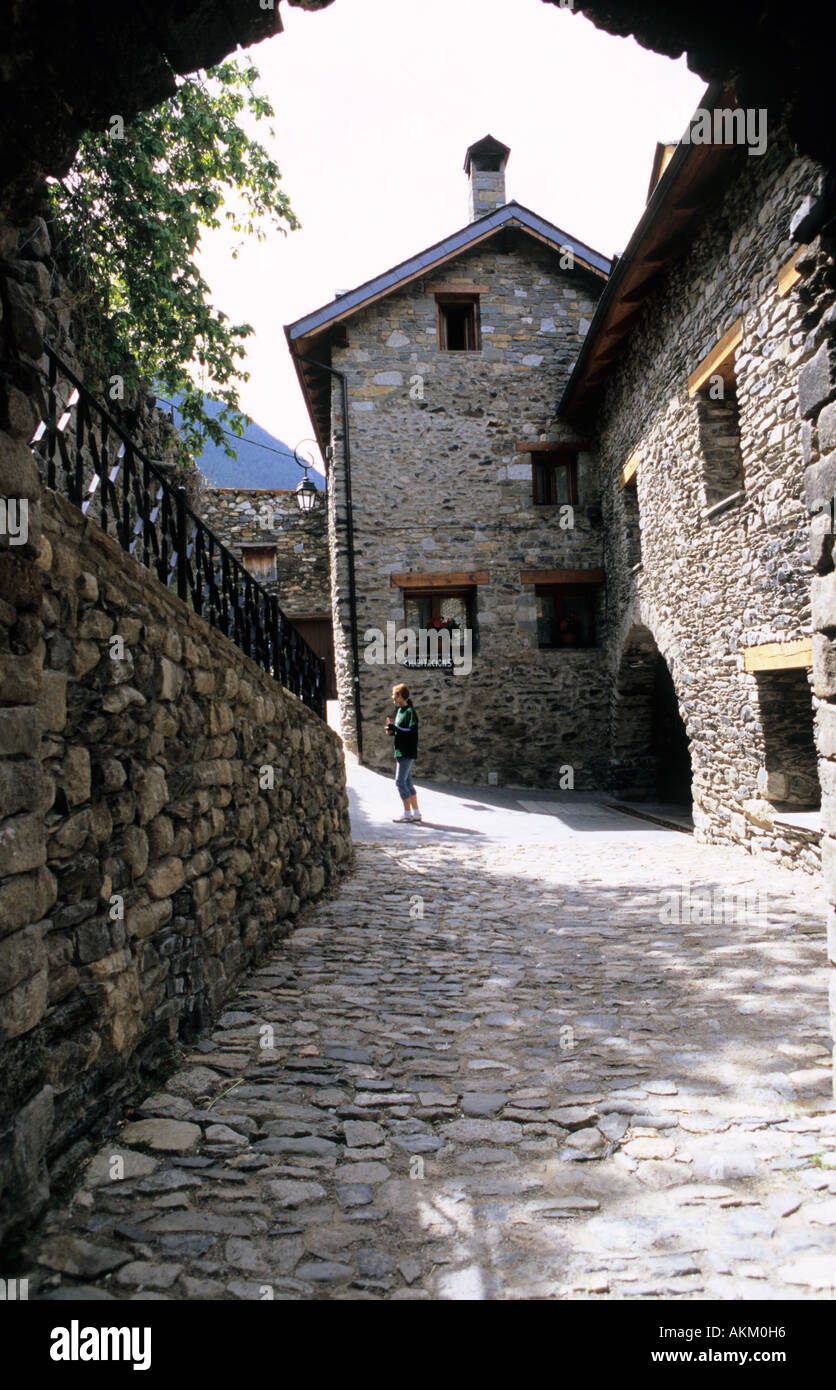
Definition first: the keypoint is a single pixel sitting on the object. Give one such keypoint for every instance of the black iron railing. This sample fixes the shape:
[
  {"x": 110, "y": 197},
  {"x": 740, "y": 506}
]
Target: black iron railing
[{"x": 90, "y": 459}]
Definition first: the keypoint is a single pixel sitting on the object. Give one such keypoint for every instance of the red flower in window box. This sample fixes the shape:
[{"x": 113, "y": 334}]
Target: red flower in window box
[{"x": 570, "y": 630}]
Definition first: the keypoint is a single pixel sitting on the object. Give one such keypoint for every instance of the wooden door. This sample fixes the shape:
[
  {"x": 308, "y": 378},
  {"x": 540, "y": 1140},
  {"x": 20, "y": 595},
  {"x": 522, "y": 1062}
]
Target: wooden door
[{"x": 319, "y": 635}]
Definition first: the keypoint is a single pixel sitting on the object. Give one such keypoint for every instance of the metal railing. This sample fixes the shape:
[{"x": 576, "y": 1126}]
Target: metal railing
[{"x": 92, "y": 462}]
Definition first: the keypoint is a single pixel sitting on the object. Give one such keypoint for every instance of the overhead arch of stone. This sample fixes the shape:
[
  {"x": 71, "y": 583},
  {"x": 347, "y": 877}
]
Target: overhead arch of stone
[
  {"x": 637, "y": 759},
  {"x": 776, "y": 60},
  {"x": 68, "y": 67}
]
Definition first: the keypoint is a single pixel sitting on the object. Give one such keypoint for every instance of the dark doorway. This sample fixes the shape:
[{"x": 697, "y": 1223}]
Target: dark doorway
[
  {"x": 649, "y": 754},
  {"x": 671, "y": 751}
]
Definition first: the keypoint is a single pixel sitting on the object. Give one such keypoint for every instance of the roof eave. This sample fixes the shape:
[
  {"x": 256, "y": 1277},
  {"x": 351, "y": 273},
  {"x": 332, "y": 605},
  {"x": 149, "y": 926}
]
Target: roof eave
[{"x": 574, "y": 396}]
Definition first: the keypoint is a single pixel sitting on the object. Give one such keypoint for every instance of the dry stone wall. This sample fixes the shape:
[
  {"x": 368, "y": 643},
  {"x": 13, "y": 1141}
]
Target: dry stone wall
[
  {"x": 716, "y": 580},
  {"x": 142, "y": 866},
  {"x": 169, "y": 810},
  {"x": 438, "y": 486}
]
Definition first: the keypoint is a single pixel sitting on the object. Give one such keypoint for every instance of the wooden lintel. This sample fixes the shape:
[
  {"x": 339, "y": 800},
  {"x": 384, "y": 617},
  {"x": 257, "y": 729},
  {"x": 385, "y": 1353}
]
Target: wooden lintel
[
  {"x": 543, "y": 446},
  {"x": 779, "y": 656},
  {"x": 451, "y": 288},
  {"x": 788, "y": 275},
  {"x": 459, "y": 579},
  {"x": 561, "y": 576},
  {"x": 630, "y": 468},
  {"x": 719, "y": 357}
]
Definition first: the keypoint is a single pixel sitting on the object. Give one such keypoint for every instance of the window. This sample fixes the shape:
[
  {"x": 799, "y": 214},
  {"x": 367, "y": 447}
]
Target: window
[
  {"x": 260, "y": 560},
  {"x": 554, "y": 479},
  {"x": 438, "y": 609},
  {"x": 718, "y": 413},
  {"x": 458, "y": 322},
  {"x": 789, "y": 777},
  {"x": 566, "y": 614},
  {"x": 632, "y": 523},
  {"x": 714, "y": 386}
]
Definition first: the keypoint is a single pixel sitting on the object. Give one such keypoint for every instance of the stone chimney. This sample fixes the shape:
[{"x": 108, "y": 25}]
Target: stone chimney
[{"x": 485, "y": 166}]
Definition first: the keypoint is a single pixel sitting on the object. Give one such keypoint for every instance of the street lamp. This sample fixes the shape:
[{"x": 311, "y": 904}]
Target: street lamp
[{"x": 306, "y": 493}]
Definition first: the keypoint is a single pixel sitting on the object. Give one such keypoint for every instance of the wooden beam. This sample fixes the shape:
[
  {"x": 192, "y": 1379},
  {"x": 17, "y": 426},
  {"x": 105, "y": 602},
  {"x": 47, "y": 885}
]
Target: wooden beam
[
  {"x": 779, "y": 656},
  {"x": 459, "y": 579},
  {"x": 622, "y": 315},
  {"x": 788, "y": 275},
  {"x": 561, "y": 576},
  {"x": 630, "y": 468},
  {"x": 542, "y": 446},
  {"x": 457, "y": 289},
  {"x": 719, "y": 357},
  {"x": 639, "y": 294}
]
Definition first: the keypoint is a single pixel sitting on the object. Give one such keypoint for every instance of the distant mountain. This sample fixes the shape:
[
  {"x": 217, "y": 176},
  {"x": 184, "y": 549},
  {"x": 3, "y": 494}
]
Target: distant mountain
[{"x": 255, "y": 466}]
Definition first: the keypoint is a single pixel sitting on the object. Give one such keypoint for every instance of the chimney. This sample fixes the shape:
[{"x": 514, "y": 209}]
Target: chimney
[{"x": 484, "y": 164}]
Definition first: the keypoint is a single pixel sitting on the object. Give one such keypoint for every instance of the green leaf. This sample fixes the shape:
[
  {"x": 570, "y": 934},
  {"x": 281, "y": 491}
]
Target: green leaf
[{"x": 130, "y": 214}]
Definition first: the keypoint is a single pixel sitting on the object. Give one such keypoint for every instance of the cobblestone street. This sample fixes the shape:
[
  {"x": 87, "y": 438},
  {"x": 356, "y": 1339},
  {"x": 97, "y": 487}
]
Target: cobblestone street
[{"x": 498, "y": 1064}]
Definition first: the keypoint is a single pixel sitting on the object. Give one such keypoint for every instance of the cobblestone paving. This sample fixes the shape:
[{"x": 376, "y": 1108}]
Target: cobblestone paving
[{"x": 501, "y": 1073}]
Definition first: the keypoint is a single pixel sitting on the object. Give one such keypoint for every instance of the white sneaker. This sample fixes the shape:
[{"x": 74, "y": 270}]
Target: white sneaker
[
  {"x": 416, "y": 815},
  {"x": 401, "y": 820}
]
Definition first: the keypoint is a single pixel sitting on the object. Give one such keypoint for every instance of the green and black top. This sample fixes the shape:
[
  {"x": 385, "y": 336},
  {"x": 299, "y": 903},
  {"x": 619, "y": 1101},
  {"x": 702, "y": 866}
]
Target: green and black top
[{"x": 406, "y": 732}]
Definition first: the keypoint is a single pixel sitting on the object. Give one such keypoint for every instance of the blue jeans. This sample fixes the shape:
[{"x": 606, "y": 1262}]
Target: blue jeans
[{"x": 403, "y": 778}]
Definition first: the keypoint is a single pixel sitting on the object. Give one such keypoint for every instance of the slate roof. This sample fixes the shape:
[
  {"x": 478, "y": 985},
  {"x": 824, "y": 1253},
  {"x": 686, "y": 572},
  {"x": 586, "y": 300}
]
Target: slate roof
[
  {"x": 511, "y": 214},
  {"x": 309, "y": 338}
]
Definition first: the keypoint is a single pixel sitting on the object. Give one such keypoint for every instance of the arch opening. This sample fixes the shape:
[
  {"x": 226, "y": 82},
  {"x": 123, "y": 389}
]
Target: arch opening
[{"x": 650, "y": 756}]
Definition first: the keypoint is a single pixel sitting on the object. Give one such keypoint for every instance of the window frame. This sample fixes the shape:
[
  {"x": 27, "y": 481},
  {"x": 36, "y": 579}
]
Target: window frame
[
  {"x": 550, "y": 459},
  {"x": 468, "y": 299},
  {"x": 566, "y": 592},
  {"x": 632, "y": 518},
  {"x": 435, "y": 595},
  {"x": 706, "y": 405}
]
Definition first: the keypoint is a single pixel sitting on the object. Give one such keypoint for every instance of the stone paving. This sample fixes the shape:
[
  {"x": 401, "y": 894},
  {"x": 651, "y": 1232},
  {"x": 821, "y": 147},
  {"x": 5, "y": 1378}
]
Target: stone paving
[{"x": 493, "y": 1068}]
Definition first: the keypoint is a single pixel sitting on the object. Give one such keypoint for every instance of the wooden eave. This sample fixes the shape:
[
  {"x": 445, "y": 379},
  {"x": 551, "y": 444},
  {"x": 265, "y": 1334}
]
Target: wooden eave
[
  {"x": 666, "y": 230},
  {"x": 315, "y": 383}
]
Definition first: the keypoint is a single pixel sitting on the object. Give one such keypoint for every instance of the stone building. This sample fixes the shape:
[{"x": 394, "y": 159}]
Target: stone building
[
  {"x": 688, "y": 382},
  {"x": 601, "y": 476},
  {"x": 285, "y": 549},
  {"x": 457, "y": 496}
]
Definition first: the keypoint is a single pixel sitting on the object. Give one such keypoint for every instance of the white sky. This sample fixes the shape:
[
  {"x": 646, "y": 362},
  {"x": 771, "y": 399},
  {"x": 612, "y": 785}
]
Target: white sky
[{"x": 376, "y": 102}]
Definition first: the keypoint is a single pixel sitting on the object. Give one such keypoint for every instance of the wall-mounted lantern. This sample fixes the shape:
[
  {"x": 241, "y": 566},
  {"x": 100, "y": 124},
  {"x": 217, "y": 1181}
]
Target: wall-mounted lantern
[{"x": 306, "y": 492}]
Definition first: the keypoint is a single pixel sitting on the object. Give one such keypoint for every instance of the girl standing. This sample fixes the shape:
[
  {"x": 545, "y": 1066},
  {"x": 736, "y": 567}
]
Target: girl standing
[{"x": 404, "y": 731}]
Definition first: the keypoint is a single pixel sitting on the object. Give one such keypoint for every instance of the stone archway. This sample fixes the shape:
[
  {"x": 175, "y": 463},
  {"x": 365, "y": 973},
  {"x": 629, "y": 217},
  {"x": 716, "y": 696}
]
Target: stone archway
[{"x": 649, "y": 747}]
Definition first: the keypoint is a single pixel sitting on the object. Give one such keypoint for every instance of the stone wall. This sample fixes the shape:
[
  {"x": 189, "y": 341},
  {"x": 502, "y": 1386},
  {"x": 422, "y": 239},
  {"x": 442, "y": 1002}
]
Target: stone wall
[
  {"x": 716, "y": 579},
  {"x": 817, "y": 405},
  {"x": 145, "y": 859},
  {"x": 257, "y": 516},
  {"x": 439, "y": 486}
]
